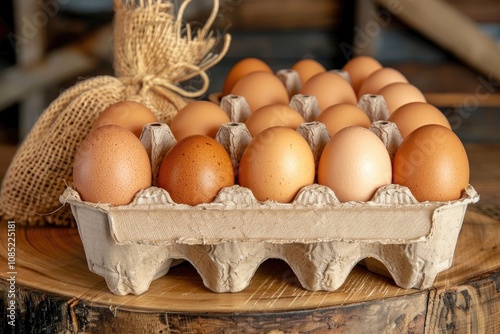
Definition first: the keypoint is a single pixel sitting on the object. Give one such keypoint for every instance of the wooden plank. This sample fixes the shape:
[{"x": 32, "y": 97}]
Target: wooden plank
[
  {"x": 281, "y": 14},
  {"x": 452, "y": 100},
  {"x": 450, "y": 30},
  {"x": 363, "y": 18},
  {"x": 17, "y": 82},
  {"x": 30, "y": 51},
  {"x": 478, "y": 10},
  {"x": 62, "y": 64},
  {"x": 30, "y": 46}
]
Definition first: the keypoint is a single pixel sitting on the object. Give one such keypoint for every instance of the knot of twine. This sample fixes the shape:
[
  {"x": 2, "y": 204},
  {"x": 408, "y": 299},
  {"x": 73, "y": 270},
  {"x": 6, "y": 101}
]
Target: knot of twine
[
  {"x": 170, "y": 76},
  {"x": 151, "y": 81}
]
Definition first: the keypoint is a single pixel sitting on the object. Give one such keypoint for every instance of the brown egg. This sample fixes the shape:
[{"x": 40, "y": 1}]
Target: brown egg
[
  {"x": 128, "y": 114},
  {"x": 400, "y": 93},
  {"x": 411, "y": 116},
  {"x": 273, "y": 115},
  {"x": 198, "y": 118},
  {"x": 276, "y": 164},
  {"x": 307, "y": 68},
  {"x": 341, "y": 116},
  {"x": 379, "y": 79},
  {"x": 360, "y": 68},
  {"x": 329, "y": 88},
  {"x": 195, "y": 169},
  {"x": 242, "y": 68},
  {"x": 261, "y": 89},
  {"x": 354, "y": 164},
  {"x": 432, "y": 163},
  {"x": 111, "y": 165}
]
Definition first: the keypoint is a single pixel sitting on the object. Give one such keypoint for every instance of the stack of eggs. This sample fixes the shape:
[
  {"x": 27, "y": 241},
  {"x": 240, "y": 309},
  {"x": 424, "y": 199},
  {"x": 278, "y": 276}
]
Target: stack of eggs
[{"x": 277, "y": 162}]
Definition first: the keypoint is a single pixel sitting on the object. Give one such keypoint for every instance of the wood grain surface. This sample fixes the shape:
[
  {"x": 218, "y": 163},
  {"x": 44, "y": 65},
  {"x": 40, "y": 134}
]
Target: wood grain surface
[{"x": 56, "y": 293}]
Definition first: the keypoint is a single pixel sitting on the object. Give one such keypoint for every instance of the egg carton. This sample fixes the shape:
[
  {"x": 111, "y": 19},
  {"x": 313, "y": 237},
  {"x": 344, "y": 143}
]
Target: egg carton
[{"x": 319, "y": 237}]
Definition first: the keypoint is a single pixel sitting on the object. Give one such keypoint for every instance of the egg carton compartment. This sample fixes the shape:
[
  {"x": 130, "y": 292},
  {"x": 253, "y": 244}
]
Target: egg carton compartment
[{"x": 319, "y": 237}]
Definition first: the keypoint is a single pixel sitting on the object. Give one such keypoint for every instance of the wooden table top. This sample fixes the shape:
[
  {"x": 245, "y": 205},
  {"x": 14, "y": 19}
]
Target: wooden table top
[{"x": 51, "y": 270}]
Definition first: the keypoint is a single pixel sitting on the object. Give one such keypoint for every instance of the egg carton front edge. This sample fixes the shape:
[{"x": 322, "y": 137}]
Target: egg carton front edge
[{"x": 130, "y": 267}]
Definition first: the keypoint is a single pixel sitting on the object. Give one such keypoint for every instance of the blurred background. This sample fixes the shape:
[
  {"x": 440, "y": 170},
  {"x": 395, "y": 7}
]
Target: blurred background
[{"x": 48, "y": 45}]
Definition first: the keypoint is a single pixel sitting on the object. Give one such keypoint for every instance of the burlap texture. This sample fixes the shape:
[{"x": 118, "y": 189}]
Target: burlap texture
[{"x": 156, "y": 54}]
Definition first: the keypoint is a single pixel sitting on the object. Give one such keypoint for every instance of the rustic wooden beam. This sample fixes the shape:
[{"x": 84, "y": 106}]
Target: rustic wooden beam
[
  {"x": 452, "y": 100},
  {"x": 65, "y": 63},
  {"x": 451, "y": 30}
]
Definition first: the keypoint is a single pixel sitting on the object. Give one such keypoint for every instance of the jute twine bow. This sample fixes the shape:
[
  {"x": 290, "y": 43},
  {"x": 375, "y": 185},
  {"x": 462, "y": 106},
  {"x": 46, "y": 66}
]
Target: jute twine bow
[
  {"x": 193, "y": 51},
  {"x": 151, "y": 81}
]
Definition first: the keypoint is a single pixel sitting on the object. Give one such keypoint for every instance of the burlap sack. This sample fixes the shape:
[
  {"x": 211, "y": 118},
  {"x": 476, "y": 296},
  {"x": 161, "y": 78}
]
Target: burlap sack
[{"x": 155, "y": 56}]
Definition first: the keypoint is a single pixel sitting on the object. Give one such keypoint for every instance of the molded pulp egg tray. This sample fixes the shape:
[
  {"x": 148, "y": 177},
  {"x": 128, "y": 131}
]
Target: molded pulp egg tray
[{"x": 226, "y": 240}]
